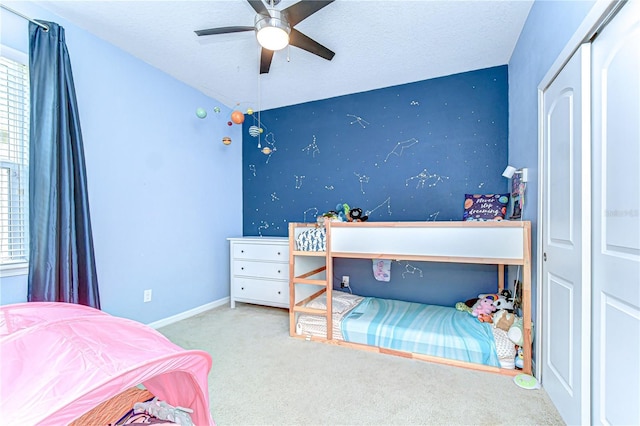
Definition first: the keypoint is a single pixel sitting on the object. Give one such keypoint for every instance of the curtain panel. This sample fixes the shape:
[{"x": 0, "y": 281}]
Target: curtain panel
[{"x": 61, "y": 257}]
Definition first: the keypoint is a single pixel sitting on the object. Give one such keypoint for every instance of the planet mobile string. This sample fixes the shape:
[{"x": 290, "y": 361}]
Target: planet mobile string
[{"x": 259, "y": 108}]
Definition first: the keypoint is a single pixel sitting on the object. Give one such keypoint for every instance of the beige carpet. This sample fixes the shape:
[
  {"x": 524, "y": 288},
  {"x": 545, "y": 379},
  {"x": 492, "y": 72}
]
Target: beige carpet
[{"x": 261, "y": 376}]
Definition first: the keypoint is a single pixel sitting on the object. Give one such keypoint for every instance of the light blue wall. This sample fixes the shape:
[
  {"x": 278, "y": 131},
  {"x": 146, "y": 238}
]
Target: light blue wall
[
  {"x": 164, "y": 192},
  {"x": 548, "y": 28}
]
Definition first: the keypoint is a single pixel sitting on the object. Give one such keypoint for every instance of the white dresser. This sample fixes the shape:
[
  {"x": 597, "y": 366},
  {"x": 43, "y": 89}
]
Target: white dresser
[{"x": 259, "y": 271}]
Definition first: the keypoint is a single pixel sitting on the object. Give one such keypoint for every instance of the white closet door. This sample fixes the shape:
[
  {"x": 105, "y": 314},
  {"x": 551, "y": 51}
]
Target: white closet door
[
  {"x": 616, "y": 220},
  {"x": 565, "y": 241}
]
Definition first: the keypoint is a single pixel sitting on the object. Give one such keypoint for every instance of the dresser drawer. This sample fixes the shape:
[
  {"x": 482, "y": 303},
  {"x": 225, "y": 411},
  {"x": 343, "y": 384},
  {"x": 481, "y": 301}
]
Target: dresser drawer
[
  {"x": 262, "y": 291},
  {"x": 261, "y": 269},
  {"x": 274, "y": 252}
]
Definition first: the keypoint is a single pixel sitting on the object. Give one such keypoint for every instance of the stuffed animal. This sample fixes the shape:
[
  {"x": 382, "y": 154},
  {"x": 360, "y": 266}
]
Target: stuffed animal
[
  {"x": 503, "y": 320},
  {"x": 483, "y": 306},
  {"x": 503, "y": 303},
  {"x": 462, "y": 306},
  {"x": 519, "y": 361},
  {"x": 491, "y": 296},
  {"x": 485, "y": 318},
  {"x": 355, "y": 215},
  {"x": 515, "y": 333}
]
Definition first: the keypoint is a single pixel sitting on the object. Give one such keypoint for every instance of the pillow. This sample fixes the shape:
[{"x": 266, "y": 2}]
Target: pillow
[
  {"x": 485, "y": 207},
  {"x": 342, "y": 302},
  {"x": 314, "y": 239}
]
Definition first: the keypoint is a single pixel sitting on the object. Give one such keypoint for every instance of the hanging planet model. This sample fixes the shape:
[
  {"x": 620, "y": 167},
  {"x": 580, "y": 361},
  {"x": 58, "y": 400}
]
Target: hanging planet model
[
  {"x": 254, "y": 131},
  {"x": 237, "y": 117},
  {"x": 201, "y": 112}
]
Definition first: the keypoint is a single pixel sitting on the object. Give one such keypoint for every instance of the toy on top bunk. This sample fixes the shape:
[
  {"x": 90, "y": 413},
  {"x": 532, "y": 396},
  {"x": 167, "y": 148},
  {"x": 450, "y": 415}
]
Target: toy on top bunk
[{"x": 343, "y": 213}]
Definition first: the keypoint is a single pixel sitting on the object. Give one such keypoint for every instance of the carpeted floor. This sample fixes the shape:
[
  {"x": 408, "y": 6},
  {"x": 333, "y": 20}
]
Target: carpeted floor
[{"x": 261, "y": 376}]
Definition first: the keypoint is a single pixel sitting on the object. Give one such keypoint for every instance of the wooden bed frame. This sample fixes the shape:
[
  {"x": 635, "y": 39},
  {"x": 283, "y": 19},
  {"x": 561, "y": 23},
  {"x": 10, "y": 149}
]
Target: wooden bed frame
[{"x": 498, "y": 243}]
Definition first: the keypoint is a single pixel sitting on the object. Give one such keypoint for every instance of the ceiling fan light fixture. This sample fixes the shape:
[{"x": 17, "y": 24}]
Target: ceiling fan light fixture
[{"x": 272, "y": 31}]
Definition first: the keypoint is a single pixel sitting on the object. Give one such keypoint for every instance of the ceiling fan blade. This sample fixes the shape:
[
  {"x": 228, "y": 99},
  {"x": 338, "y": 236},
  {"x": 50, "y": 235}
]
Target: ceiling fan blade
[
  {"x": 297, "y": 39},
  {"x": 265, "y": 60},
  {"x": 259, "y": 7},
  {"x": 299, "y": 11},
  {"x": 223, "y": 30}
]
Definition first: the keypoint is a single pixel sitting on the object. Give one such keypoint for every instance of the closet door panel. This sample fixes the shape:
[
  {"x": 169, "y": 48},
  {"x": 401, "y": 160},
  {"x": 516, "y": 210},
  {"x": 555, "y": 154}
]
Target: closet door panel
[{"x": 616, "y": 219}]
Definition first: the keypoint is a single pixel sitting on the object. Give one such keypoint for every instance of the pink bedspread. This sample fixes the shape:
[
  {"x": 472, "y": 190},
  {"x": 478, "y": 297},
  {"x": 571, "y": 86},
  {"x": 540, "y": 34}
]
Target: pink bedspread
[{"x": 59, "y": 360}]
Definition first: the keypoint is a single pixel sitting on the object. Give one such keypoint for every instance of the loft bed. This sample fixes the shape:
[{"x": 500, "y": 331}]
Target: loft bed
[{"x": 318, "y": 313}]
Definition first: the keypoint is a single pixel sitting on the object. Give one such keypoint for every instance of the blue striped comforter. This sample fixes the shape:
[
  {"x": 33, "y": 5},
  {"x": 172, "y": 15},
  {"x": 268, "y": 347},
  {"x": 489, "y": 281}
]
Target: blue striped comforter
[{"x": 418, "y": 328}]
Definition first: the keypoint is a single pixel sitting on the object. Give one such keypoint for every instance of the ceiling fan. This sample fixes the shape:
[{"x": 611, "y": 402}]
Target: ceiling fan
[{"x": 275, "y": 29}]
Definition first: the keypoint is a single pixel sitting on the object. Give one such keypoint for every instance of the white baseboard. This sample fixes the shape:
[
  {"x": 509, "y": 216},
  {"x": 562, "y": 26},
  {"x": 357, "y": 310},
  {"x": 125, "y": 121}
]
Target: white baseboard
[{"x": 189, "y": 313}]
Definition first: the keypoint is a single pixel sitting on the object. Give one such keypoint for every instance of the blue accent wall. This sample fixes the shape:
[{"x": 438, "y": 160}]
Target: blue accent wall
[{"x": 403, "y": 153}]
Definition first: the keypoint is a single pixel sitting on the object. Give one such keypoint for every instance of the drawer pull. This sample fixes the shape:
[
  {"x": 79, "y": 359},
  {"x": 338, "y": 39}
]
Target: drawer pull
[
  {"x": 278, "y": 253},
  {"x": 279, "y": 293},
  {"x": 242, "y": 268},
  {"x": 241, "y": 251},
  {"x": 278, "y": 270},
  {"x": 241, "y": 288}
]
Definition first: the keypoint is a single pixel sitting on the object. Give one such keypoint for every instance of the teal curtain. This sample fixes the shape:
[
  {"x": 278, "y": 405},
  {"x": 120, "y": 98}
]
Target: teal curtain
[{"x": 61, "y": 258}]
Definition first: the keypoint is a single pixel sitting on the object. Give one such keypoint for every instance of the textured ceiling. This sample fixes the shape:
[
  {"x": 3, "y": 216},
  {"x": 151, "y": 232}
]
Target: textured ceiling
[{"x": 377, "y": 44}]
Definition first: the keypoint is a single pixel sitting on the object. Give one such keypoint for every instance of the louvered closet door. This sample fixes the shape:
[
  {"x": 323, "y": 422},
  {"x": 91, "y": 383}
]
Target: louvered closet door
[
  {"x": 616, "y": 220},
  {"x": 565, "y": 242}
]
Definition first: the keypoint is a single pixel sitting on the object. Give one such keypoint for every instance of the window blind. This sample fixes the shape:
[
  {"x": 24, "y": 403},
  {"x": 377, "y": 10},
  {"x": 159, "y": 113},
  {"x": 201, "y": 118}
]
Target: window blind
[{"x": 14, "y": 165}]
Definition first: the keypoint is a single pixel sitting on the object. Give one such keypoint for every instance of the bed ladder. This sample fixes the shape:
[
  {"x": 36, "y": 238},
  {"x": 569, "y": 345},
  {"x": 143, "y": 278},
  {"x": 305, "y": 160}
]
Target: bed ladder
[{"x": 310, "y": 275}]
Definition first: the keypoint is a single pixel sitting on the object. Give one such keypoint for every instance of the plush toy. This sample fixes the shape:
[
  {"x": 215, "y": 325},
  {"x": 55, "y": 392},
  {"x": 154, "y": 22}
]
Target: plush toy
[
  {"x": 503, "y": 303},
  {"x": 483, "y": 306},
  {"x": 462, "y": 306},
  {"x": 519, "y": 361},
  {"x": 503, "y": 320},
  {"x": 515, "y": 333},
  {"x": 355, "y": 215},
  {"x": 485, "y": 318}
]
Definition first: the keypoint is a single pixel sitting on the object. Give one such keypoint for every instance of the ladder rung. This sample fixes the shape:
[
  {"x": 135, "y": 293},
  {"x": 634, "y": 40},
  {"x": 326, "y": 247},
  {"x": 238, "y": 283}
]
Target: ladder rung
[{"x": 313, "y": 311}]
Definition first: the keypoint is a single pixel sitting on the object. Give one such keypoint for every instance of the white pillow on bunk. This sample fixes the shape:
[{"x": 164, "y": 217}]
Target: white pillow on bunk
[{"x": 342, "y": 302}]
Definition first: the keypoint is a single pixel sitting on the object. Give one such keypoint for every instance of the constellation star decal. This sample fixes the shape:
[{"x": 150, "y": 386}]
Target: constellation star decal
[
  {"x": 274, "y": 197},
  {"x": 299, "y": 181},
  {"x": 387, "y": 202},
  {"x": 264, "y": 225},
  {"x": 361, "y": 121},
  {"x": 312, "y": 147},
  {"x": 362, "y": 179},
  {"x": 424, "y": 176},
  {"x": 304, "y": 214},
  {"x": 329, "y": 187},
  {"x": 410, "y": 269},
  {"x": 433, "y": 217},
  {"x": 252, "y": 169},
  {"x": 402, "y": 146},
  {"x": 270, "y": 140}
]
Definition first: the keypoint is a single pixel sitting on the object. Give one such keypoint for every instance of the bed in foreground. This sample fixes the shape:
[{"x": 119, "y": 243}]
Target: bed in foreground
[
  {"x": 427, "y": 332},
  {"x": 60, "y": 361}
]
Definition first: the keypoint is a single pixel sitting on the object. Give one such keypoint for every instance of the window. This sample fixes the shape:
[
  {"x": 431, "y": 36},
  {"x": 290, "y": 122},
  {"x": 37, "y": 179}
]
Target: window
[{"x": 14, "y": 165}]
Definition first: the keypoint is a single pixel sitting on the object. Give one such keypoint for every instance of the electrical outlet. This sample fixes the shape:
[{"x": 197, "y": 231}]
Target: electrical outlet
[
  {"x": 147, "y": 296},
  {"x": 345, "y": 281}
]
